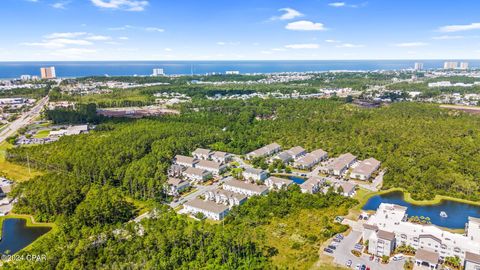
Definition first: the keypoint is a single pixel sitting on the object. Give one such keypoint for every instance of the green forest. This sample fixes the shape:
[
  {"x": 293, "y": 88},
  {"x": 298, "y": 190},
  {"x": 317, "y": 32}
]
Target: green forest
[{"x": 93, "y": 180}]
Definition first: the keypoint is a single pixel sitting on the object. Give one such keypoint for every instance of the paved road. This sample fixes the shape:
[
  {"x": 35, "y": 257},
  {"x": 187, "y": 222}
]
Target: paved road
[
  {"x": 343, "y": 253},
  {"x": 24, "y": 120}
]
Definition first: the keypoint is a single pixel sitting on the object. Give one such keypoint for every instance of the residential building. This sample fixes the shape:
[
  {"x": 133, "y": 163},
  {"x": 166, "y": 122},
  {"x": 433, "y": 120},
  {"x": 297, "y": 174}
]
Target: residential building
[
  {"x": 427, "y": 258},
  {"x": 472, "y": 261},
  {"x": 201, "y": 153},
  {"x": 158, "y": 72},
  {"x": 25, "y": 77},
  {"x": 196, "y": 174},
  {"x": 380, "y": 242},
  {"x": 175, "y": 170},
  {"x": 348, "y": 189},
  {"x": 464, "y": 65},
  {"x": 450, "y": 65},
  {"x": 265, "y": 151},
  {"x": 209, "y": 209},
  {"x": 394, "y": 219},
  {"x": 254, "y": 174},
  {"x": 214, "y": 167},
  {"x": 225, "y": 197},
  {"x": 418, "y": 66},
  {"x": 278, "y": 183},
  {"x": 312, "y": 185},
  {"x": 308, "y": 161},
  {"x": 176, "y": 186},
  {"x": 221, "y": 157},
  {"x": 232, "y": 72},
  {"x": 365, "y": 169},
  {"x": 47, "y": 73},
  {"x": 341, "y": 164},
  {"x": 244, "y": 187},
  {"x": 185, "y": 161},
  {"x": 296, "y": 152},
  {"x": 284, "y": 157}
]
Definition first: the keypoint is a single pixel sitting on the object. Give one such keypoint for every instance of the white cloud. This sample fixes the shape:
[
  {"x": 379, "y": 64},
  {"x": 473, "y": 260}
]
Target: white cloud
[
  {"x": 350, "y": 45},
  {"x": 131, "y": 27},
  {"x": 60, "y": 5},
  {"x": 337, "y": 4},
  {"x": 289, "y": 14},
  {"x": 303, "y": 46},
  {"x": 447, "y": 37},
  {"x": 128, "y": 5},
  {"x": 224, "y": 43},
  {"x": 65, "y": 35},
  {"x": 305, "y": 26},
  {"x": 278, "y": 49},
  {"x": 332, "y": 41},
  {"x": 168, "y": 49},
  {"x": 460, "y": 27},
  {"x": 98, "y": 38},
  {"x": 411, "y": 44},
  {"x": 58, "y": 43},
  {"x": 123, "y": 38}
]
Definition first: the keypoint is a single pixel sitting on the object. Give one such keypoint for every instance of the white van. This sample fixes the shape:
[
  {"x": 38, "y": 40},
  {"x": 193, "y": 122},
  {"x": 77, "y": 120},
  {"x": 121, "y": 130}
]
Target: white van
[{"x": 398, "y": 257}]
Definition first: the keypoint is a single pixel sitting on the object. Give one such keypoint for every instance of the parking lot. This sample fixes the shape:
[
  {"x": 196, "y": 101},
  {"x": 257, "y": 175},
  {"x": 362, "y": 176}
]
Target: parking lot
[{"x": 342, "y": 254}]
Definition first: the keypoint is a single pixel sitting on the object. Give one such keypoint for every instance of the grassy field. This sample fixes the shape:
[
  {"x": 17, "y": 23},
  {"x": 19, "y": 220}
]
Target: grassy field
[
  {"x": 42, "y": 134},
  {"x": 298, "y": 238},
  {"x": 14, "y": 171}
]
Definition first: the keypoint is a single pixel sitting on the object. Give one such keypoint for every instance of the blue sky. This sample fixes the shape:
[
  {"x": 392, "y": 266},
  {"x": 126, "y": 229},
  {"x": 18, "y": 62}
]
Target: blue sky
[{"x": 238, "y": 29}]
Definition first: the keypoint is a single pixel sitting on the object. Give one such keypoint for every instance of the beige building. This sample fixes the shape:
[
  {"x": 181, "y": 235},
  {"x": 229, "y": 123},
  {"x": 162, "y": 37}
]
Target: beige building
[
  {"x": 209, "y": 209},
  {"x": 365, "y": 169},
  {"x": 47, "y": 73},
  {"x": 243, "y": 187}
]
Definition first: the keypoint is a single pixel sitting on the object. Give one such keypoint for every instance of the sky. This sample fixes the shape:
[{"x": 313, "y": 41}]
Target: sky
[{"x": 64, "y": 30}]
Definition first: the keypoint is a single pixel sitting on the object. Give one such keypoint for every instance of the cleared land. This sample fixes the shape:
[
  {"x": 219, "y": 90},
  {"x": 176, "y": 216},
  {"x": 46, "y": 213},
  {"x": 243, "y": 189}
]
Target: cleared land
[{"x": 14, "y": 171}]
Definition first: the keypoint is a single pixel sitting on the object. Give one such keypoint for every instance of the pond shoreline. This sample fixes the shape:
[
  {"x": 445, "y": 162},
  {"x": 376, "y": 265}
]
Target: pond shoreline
[{"x": 408, "y": 198}]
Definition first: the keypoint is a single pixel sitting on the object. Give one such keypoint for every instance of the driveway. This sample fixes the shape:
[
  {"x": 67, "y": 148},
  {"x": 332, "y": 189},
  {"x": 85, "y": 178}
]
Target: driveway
[{"x": 343, "y": 253}]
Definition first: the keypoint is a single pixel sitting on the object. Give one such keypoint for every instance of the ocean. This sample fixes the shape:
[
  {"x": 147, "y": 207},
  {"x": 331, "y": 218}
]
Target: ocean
[{"x": 10, "y": 70}]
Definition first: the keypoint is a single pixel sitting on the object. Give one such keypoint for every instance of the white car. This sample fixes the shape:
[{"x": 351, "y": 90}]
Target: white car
[{"x": 398, "y": 257}]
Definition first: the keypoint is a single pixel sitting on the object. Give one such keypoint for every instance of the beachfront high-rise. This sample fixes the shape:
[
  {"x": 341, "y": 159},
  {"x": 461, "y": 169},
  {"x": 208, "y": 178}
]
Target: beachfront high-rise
[
  {"x": 418, "y": 66},
  {"x": 450, "y": 65},
  {"x": 48, "y": 73}
]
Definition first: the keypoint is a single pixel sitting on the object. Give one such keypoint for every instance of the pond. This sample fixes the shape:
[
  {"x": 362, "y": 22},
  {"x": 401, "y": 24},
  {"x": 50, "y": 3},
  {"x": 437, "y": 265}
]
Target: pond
[
  {"x": 457, "y": 212},
  {"x": 16, "y": 235},
  {"x": 297, "y": 180}
]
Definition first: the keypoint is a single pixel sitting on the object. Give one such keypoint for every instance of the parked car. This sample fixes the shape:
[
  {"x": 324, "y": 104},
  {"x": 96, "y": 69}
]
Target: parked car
[
  {"x": 398, "y": 257},
  {"x": 348, "y": 263},
  {"x": 336, "y": 240},
  {"x": 358, "y": 267},
  {"x": 340, "y": 236},
  {"x": 364, "y": 267},
  {"x": 332, "y": 247},
  {"x": 328, "y": 250}
]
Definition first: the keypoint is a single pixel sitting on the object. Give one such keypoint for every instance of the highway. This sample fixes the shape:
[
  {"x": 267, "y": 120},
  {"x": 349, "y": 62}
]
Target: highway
[{"x": 24, "y": 120}]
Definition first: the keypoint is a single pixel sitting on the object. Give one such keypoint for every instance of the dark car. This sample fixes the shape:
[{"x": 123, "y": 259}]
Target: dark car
[
  {"x": 336, "y": 240},
  {"x": 332, "y": 247},
  {"x": 363, "y": 267},
  {"x": 328, "y": 250}
]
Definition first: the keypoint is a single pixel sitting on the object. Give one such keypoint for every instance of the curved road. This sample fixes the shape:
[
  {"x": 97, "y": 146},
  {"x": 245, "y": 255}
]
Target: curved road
[{"x": 24, "y": 120}]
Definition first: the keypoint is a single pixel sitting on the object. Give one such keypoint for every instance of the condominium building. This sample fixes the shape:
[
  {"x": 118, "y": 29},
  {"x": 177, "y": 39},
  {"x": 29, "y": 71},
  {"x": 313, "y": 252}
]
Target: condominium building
[
  {"x": 265, "y": 151},
  {"x": 278, "y": 183},
  {"x": 365, "y": 169},
  {"x": 244, "y": 187},
  {"x": 225, "y": 197},
  {"x": 196, "y": 174},
  {"x": 464, "y": 65},
  {"x": 312, "y": 185},
  {"x": 418, "y": 66},
  {"x": 208, "y": 208},
  {"x": 430, "y": 241},
  {"x": 175, "y": 186},
  {"x": 221, "y": 157},
  {"x": 254, "y": 174},
  {"x": 211, "y": 166},
  {"x": 185, "y": 161},
  {"x": 341, "y": 164},
  {"x": 311, "y": 159},
  {"x": 201, "y": 153},
  {"x": 158, "y": 72},
  {"x": 47, "y": 73},
  {"x": 450, "y": 65}
]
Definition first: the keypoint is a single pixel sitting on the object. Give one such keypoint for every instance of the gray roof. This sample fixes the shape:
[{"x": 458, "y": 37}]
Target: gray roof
[
  {"x": 366, "y": 167},
  {"x": 347, "y": 187},
  {"x": 207, "y": 205},
  {"x": 196, "y": 171},
  {"x": 220, "y": 154},
  {"x": 472, "y": 257},
  {"x": 209, "y": 164},
  {"x": 247, "y": 186},
  {"x": 427, "y": 256},
  {"x": 229, "y": 193},
  {"x": 342, "y": 161},
  {"x": 279, "y": 180},
  {"x": 185, "y": 159},
  {"x": 264, "y": 150},
  {"x": 202, "y": 151},
  {"x": 253, "y": 171},
  {"x": 370, "y": 227},
  {"x": 295, "y": 150},
  {"x": 311, "y": 182},
  {"x": 283, "y": 156},
  {"x": 474, "y": 220},
  {"x": 175, "y": 181},
  {"x": 319, "y": 153},
  {"x": 430, "y": 236},
  {"x": 390, "y": 236}
]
